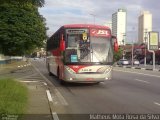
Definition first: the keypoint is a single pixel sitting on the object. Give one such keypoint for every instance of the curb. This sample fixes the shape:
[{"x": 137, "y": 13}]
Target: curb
[{"x": 150, "y": 69}]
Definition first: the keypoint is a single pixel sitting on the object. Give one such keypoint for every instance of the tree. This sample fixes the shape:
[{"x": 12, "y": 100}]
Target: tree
[
  {"x": 118, "y": 55},
  {"x": 22, "y": 28},
  {"x": 37, "y": 3}
]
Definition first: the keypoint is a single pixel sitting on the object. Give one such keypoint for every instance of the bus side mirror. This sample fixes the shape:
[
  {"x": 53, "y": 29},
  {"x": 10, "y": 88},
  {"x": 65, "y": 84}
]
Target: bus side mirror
[
  {"x": 115, "y": 43},
  {"x": 62, "y": 44},
  {"x": 116, "y": 46}
]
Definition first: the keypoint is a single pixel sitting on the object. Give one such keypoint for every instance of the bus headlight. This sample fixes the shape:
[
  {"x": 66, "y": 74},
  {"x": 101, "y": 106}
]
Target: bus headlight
[{"x": 70, "y": 79}]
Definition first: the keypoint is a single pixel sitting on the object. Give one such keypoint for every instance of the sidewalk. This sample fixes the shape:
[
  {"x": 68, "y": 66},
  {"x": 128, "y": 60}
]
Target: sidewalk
[{"x": 38, "y": 105}]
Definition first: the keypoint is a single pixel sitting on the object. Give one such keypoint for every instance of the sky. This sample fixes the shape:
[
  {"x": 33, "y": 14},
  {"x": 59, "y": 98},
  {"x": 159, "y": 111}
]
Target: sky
[{"x": 60, "y": 12}]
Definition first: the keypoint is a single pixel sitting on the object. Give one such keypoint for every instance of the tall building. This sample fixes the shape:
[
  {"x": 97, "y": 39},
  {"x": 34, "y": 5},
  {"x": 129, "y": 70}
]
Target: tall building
[
  {"x": 119, "y": 21},
  {"x": 144, "y": 25}
]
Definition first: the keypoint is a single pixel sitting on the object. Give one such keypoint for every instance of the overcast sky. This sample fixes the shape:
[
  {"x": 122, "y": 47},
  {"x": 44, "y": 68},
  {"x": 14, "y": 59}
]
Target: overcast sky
[{"x": 60, "y": 12}]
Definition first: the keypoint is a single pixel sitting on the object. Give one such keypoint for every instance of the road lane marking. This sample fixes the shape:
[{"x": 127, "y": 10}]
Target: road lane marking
[
  {"x": 49, "y": 96},
  {"x": 55, "y": 116},
  {"x": 142, "y": 81},
  {"x": 138, "y": 73},
  {"x": 156, "y": 103}
]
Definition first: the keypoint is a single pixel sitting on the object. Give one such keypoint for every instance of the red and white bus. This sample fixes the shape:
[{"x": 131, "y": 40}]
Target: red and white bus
[{"x": 81, "y": 53}]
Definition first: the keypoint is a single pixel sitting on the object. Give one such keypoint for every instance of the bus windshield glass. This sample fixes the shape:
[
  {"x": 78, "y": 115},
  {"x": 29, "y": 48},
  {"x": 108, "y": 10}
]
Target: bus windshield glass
[
  {"x": 101, "y": 50},
  {"x": 81, "y": 48}
]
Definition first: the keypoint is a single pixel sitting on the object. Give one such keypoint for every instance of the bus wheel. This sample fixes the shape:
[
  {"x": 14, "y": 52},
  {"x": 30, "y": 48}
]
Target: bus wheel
[
  {"x": 62, "y": 82},
  {"x": 49, "y": 72}
]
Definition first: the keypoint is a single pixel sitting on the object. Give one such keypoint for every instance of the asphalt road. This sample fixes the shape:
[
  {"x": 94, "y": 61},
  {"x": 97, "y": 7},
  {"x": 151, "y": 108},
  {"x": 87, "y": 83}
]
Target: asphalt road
[{"x": 130, "y": 91}]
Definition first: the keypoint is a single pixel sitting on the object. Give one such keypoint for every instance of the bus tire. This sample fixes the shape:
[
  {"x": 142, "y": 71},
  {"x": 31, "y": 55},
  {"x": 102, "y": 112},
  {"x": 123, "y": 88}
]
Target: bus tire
[
  {"x": 58, "y": 73},
  {"x": 62, "y": 82},
  {"x": 49, "y": 72},
  {"x": 97, "y": 83}
]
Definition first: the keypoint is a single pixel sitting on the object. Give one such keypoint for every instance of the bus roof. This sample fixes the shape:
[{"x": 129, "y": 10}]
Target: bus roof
[
  {"x": 81, "y": 26},
  {"x": 85, "y": 26}
]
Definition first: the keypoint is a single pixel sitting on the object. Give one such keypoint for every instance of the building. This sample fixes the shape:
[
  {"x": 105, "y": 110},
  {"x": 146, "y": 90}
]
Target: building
[
  {"x": 119, "y": 21},
  {"x": 144, "y": 25}
]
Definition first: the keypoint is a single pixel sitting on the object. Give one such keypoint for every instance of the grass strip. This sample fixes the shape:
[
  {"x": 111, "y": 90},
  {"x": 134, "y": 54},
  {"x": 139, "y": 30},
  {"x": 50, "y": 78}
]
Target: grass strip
[{"x": 13, "y": 97}]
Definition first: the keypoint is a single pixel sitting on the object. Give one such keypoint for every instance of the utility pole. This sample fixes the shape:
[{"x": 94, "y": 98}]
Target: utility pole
[
  {"x": 145, "y": 49},
  {"x": 123, "y": 41},
  {"x": 132, "y": 49}
]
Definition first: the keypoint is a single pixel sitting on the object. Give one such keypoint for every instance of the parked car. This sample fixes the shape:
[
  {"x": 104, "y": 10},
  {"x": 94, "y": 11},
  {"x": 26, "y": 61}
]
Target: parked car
[
  {"x": 135, "y": 62},
  {"x": 36, "y": 58},
  {"x": 123, "y": 62},
  {"x": 147, "y": 61}
]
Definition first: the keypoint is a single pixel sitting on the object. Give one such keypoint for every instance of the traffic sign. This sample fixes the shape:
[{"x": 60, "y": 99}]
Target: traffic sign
[{"x": 153, "y": 40}]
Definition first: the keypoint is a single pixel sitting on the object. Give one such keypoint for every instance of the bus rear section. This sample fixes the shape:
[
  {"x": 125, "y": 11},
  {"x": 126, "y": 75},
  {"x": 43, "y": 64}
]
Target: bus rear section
[{"x": 87, "y": 55}]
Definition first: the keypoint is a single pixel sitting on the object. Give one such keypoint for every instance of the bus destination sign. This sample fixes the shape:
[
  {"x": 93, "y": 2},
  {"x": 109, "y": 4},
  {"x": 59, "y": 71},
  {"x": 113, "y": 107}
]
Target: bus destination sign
[{"x": 76, "y": 31}]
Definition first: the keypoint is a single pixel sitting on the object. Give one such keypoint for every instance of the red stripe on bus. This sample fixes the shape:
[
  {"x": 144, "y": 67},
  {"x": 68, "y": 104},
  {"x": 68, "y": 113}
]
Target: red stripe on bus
[{"x": 76, "y": 68}]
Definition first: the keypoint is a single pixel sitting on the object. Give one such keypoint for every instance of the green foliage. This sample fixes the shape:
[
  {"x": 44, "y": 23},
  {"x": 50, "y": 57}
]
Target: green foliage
[
  {"x": 38, "y": 3},
  {"x": 22, "y": 28},
  {"x": 118, "y": 55}
]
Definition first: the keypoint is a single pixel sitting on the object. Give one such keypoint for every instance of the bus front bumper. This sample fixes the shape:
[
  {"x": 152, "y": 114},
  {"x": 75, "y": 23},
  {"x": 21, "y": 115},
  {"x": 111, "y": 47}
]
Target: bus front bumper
[{"x": 87, "y": 77}]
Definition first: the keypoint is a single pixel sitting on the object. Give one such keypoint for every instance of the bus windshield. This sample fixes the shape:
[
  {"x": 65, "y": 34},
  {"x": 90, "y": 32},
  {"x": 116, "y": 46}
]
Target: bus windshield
[
  {"x": 80, "y": 50},
  {"x": 101, "y": 50}
]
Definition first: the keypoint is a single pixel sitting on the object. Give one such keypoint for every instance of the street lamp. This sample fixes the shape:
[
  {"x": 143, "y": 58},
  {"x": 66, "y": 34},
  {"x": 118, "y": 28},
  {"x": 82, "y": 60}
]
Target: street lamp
[
  {"x": 145, "y": 48},
  {"x": 132, "y": 49},
  {"x": 123, "y": 41}
]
